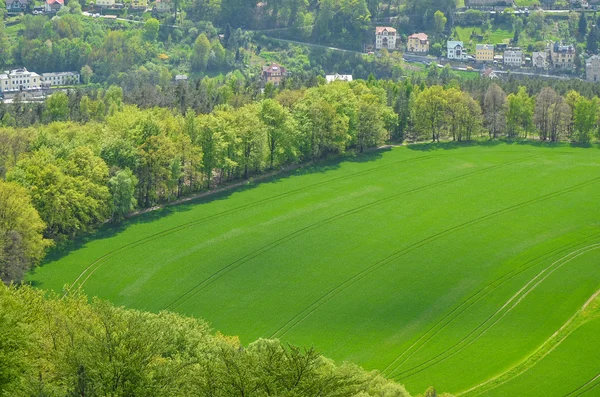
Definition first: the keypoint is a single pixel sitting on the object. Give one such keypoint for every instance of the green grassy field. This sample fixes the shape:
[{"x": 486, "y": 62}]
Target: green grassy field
[{"x": 439, "y": 265}]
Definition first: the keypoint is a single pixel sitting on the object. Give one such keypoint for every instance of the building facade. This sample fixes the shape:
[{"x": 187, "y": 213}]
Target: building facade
[
  {"x": 456, "y": 50},
  {"x": 273, "y": 73},
  {"x": 562, "y": 56},
  {"x": 54, "y": 5},
  {"x": 105, "y": 3},
  {"x": 592, "y": 69},
  {"x": 338, "y": 77},
  {"x": 19, "y": 80},
  {"x": 385, "y": 37},
  {"x": 60, "y": 78},
  {"x": 16, "y": 6},
  {"x": 513, "y": 58},
  {"x": 484, "y": 53},
  {"x": 418, "y": 42},
  {"x": 163, "y": 6},
  {"x": 539, "y": 60},
  {"x": 139, "y": 4}
]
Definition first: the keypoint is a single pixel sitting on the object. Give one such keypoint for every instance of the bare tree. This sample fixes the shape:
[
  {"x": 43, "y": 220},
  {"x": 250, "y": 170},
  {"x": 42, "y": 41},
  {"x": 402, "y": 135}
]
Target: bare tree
[
  {"x": 494, "y": 106},
  {"x": 552, "y": 115}
]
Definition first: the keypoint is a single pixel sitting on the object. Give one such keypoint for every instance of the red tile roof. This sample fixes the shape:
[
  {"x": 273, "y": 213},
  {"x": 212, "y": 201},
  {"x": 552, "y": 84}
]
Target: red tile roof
[
  {"x": 61, "y": 2},
  {"x": 420, "y": 36},
  {"x": 380, "y": 29}
]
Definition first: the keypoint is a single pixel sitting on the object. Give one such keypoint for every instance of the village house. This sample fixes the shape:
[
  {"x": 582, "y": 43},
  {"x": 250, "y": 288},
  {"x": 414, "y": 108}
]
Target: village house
[
  {"x": 513, "y": 58},
  {"x": 163, "y": 6},
  {"x": 338, "y": 77},
  {"x": 385, "y": 37},
  {"x": 273, "y": 73},
  {"x": 418, "y": 42},
  {"x": 484, "y": 53},
  {"x": 456, "y": 50},
  {"x": 54, "y": 5},
  {"x": 139, "y": 4},
  {"x": 539, "y": 60},
  {"x": 16, "y": 6},
  {"x": 19, "y": 80},
  {"x": 105, "y": 3},
  {"x": 180, "y": 77},
  {"x": 489, "y": 73},
  {"x": 592, "y": 69},
  {"x": 60, "y": 78},
  {"x": 562, "y": 56}
]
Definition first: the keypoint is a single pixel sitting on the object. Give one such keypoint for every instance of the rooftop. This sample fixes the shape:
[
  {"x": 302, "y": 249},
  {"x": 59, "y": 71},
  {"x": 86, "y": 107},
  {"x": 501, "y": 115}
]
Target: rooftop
[
  {"x": 380, "y": 29},
  {"x": 420, "y": 36}
]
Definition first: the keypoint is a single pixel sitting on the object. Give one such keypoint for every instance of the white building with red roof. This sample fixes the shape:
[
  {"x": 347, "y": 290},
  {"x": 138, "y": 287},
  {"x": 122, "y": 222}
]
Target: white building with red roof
[
  {"x": 385, "y": 37},
  {"x": 54, "y": 5}
]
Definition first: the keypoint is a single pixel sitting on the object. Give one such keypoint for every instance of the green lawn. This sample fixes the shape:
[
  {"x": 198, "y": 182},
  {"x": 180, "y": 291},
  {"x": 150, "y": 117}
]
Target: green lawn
[
  {"x": 439, "y": 265},
  {"x": 496, "y": 35},
  {"x": 527, "y": 3}
]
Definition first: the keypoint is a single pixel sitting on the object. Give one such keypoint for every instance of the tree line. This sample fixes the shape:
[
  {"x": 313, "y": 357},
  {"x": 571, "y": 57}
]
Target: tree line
[
  {"x": 117, "y": 157},
  {"x": 76, "y": 176},
  {"x": 449, "y": 113}
]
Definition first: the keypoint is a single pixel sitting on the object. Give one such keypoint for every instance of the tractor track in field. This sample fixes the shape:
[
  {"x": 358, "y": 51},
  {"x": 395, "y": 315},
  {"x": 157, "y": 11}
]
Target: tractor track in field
[
  {"x": 90, "y": 269},
  {"x": 589, "y": 385},
  {"x": 497, "y": 316},
  {"x": 240, "y": 261},
  {"x": 298, "y": 318},
  {"x": 475, "y": 298},
  {"x": 532, "y": 359}
]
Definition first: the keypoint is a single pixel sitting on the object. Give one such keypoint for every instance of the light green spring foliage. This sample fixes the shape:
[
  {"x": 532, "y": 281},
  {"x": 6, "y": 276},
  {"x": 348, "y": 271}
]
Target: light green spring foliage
[
  {"x": 66, "y": 167},
  {"x": 57, "y": 347},
  {"x": 21, "y": 241}
]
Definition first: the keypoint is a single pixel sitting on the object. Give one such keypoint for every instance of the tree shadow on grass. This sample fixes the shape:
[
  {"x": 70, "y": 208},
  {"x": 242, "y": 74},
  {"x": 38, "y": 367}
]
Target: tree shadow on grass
[
  {"x": 110, "y": 230},
  {"x": 432, "y": 146}
]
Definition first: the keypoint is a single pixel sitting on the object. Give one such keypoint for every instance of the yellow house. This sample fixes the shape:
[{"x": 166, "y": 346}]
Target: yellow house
[
  {"x": 139, "y": 3},
  {"x": 484, "y": 53},
  {"x": 418, "y": 42}
]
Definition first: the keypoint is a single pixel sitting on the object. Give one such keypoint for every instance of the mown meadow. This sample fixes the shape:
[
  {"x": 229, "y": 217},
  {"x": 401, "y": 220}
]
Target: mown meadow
[{"x": 439, "y": 264}]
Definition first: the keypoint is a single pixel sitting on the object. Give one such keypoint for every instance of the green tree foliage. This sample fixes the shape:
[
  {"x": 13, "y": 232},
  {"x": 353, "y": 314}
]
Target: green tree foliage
[
  {"x": 585, "y": 115},
  {"x": 439, "y": 21},
  {"x": 53, "y": 346},
  {"x": 281, "y": 132},
  {"x": 371, "y": 129},
  {"x": 122, "y": 187},
  {"x": 421, "y": 12},
  {"x": 429, "y": 112},
  {"x": 582, "y": 28},
  {"x": 57, "y": 107},
  {"x": 201, "y": 53},
  {"x": 519, "y": 114},
  {"x": 203, "y": 10},
  {"x": 68, "y": 190},
  {"x": 151, "y": 27},
  {"x": 592, "y": 40},
  {"x": 86, "y": 73},
  {"x": 21, "y": 242}
]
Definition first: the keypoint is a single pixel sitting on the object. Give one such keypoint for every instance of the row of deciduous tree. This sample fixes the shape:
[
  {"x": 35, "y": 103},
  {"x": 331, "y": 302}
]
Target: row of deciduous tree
[
  {"x": 69, "y": 347},
  {"x": 77, "y": 176},
  {"x": 449, "y": 113}
]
